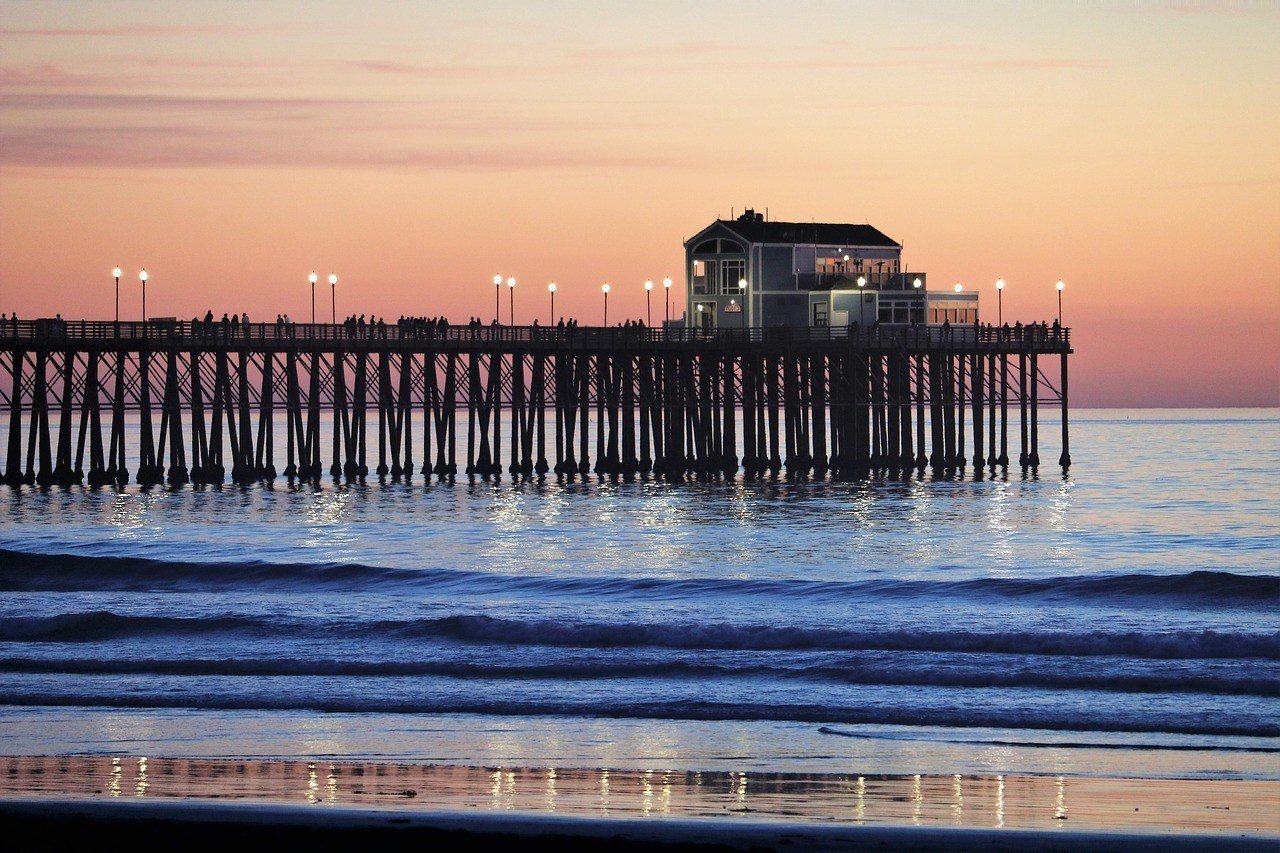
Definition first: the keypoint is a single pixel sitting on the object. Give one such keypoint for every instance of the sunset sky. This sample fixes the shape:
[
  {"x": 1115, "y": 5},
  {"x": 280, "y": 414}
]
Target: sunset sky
[{"x": 1131, "y": 149}]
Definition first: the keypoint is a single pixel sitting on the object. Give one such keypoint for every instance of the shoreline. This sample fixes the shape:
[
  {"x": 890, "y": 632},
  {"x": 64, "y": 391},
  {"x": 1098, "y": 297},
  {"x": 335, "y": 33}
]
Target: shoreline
[{"x": 298, "y": 827}]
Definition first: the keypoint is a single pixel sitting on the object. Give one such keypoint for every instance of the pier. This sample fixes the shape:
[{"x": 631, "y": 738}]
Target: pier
[{"x": 410, "y": 400}]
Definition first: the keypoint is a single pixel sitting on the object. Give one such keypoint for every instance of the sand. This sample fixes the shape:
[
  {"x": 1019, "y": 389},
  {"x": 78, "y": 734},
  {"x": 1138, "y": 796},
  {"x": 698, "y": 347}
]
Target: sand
[{"x": 62, "y": 796}]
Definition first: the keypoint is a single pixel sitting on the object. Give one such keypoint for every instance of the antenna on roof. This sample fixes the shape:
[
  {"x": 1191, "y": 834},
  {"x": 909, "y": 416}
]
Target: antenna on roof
[
  {"x": 731, "y": 213},
  {"x": 766, "y": 213}
]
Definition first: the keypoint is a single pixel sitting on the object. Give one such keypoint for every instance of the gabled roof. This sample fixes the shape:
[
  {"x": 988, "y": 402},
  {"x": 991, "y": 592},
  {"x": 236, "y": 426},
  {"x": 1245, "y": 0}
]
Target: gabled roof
[{"x": 822, "y": 233}]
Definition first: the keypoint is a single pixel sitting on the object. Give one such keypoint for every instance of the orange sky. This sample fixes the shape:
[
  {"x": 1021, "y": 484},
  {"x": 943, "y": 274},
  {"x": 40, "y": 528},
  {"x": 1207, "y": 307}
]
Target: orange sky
[{"x": 417, "y": 149}]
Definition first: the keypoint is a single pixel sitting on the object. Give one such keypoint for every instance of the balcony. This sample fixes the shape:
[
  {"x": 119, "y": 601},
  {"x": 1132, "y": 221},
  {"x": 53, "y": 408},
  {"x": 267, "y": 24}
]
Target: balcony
[{"x": 874, "y": 280}]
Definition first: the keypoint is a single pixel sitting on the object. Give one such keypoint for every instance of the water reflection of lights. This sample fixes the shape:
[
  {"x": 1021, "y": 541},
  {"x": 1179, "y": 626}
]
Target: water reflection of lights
[
  {"x": 313, "y": 785},
  {"x": 331, "y": 783},
  {"x": 917, "y": 799},
  {"x": 860, "y": 803},
  {"x": 1060, "y": 803},
  {"x": 551, "y": 789},
  {"x": 1000, "y": 802},
  {"x": 646, "y": 793},
  {"x": 666, "y": 793},
  {"x": 140, "y": 784},
  {"x": 132, "y": 512},
  {"x": 113, "y": 784},
  {"x": 957, "y": 794},
  {"x": 604, "y": 790}
]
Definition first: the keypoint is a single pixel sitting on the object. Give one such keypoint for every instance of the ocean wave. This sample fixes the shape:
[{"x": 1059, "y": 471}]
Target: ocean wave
[
  {"x": 994, "y": 717},
  {"x": 883, "y": 673},
  {"x": 480, "y": 629},
  {"x": 1057, "y": 744},
  {"x": 21, "y": 571}
]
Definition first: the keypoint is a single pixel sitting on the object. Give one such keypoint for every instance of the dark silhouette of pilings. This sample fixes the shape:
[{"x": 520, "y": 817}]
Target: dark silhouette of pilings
[{"x": 199, "y": 407}]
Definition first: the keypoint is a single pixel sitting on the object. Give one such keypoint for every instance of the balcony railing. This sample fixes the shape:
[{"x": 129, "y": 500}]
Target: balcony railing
[
  {"x": 188, "y": 334},
  {"x": 874, "y": 280}
]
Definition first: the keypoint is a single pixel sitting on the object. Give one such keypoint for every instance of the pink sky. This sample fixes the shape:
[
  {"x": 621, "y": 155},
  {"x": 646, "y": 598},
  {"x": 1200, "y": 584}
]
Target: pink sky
[{"x": 1129, "y": 149}]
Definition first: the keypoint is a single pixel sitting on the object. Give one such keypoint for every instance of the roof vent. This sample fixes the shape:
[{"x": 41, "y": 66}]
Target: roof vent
[{"x": 749, "y": 215}]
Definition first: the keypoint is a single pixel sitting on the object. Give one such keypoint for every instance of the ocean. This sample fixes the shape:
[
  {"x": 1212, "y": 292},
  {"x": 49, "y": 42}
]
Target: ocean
[{"x": 1121, "y": 619}]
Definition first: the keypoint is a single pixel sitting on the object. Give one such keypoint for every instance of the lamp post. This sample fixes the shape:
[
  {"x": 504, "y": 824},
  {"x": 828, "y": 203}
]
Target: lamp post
[
  {"x": 333, "y": 298},
  {"x": 142, "y": 276},
  {"x": 313, "y": 278},
  {"x": 551, "y": 288},
  {"x": 666, "y": 285},
  {"x": 648, "y": 309},
  {"x": 604, "y": 288},
  {"x": 497, "y": 295},
  {"x": 511, "y": 289},
  {"x": 1000, "y": 302},
  {"x": 1061, "y": 285},
  {"x": 117, "y": 272}
]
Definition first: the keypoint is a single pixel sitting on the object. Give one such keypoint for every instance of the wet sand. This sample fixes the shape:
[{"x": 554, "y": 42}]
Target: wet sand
[{"x": 72, "y": 793}]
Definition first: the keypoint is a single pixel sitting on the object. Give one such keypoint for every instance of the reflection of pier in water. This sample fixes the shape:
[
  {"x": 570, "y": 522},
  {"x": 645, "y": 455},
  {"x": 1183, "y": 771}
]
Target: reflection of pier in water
[
  {"x": 1012, "y": 801},
  {"x": 817, "y": 401}
]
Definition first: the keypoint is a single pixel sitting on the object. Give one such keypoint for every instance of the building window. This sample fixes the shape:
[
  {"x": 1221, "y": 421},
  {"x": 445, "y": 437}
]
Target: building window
[
  {"x": 703, "y": 273},
  {"x": 731, "y": 272}
]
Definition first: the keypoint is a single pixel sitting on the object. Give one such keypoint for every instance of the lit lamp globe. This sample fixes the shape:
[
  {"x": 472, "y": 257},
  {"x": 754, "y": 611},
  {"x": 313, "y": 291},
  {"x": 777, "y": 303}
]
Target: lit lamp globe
[
  {"x": 862, "y": 281},
  {"x": 1000, "y": 284},
  {"x": 142, "y": 276},
  {"x": 605, "y": 288},
  {"x": 959, "y": 287},
  {"x": 117, "y": 272},
  {"x": 648, "y": 285},
  {"x": 666, "y": 282},
  {"x": 313, "y": 278},
  {"x": 497, "y": 279},
  {"x": 742, "y": 284},
  {"x": 917, "y": 284},
  {"x": 1061, "y": 285},
  {"x": 552, "y": 287},
  {"x": 333, "y": 278},
  {"x": 511, "y": 282}
]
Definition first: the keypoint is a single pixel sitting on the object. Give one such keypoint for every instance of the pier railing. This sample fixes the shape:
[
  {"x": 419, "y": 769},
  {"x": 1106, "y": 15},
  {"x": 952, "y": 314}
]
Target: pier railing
[{"x": 1040, "y": 336}]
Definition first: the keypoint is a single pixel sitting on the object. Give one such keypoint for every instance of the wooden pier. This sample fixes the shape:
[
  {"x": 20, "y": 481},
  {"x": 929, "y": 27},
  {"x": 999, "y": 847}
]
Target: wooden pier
[{"x": 530, "y": 401}]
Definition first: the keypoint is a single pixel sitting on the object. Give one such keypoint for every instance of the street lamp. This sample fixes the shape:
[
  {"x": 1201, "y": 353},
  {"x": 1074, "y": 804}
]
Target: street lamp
[
  {"x": 497, "y": 294},
  {"x": 511, "y": 288},
  {"x": 142, "y": 276},
  {"x": 313, "y": 278},
  {"x": 117, "y": 272},
  {"x": 333, "y": 298},
  {"x": 648, "y": 311},
  {"x": 666, "y": 284},
  {"x": 604, "y": 288},
  {"x": 862, "y": 281},
  {"x": 959, "y": 287},
  {"x": 1000, "y": 302},
  {"x": 551, "y": 288},
  {"x": 1061, "y": 285}
]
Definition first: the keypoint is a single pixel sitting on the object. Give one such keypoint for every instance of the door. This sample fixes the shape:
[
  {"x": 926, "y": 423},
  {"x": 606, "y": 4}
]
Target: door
[{"x": 820, "y": 313}]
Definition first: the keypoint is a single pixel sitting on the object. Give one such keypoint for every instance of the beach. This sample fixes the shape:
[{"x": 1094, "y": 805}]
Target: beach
[{"x": 237, "y": 798}]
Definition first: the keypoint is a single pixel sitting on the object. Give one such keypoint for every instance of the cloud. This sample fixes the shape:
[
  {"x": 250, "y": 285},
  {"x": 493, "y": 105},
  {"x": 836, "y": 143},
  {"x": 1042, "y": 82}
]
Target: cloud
[
  {"x": 1048, "y": 64},
  {"x": 125, "y": 30},
  {"x": 54, "y": 129},
  {"x": 408, "y": 69}
]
